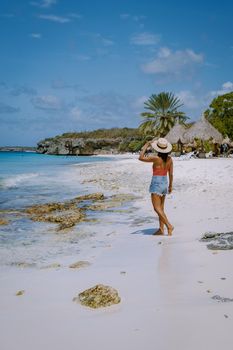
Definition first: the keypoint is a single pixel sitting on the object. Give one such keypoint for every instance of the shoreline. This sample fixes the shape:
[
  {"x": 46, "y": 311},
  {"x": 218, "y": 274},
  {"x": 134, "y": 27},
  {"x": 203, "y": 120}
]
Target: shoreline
[{"x": 167, "y": 284}]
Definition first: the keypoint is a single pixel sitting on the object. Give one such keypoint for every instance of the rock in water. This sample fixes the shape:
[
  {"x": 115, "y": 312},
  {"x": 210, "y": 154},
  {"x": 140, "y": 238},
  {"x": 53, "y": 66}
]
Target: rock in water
[{"x": 98, "y": 296}]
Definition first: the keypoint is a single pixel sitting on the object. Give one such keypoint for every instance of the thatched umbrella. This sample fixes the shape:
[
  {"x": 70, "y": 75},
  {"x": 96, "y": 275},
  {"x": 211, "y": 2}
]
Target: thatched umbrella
[
  {"x": 176, "y": 133},
  {"x": 204, "y": 131},
  {"x": 226, "y": 140}
]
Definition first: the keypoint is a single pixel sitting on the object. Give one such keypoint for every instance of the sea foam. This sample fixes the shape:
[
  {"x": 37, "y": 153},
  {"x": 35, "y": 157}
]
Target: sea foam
[{"x": 16, "y": 180}]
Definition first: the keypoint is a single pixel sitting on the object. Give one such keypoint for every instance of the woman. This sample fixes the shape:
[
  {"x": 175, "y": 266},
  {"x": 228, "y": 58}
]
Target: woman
[{"x": 162, "y": 164}]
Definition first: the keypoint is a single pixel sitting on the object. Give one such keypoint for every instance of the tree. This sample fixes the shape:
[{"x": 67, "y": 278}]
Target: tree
[
  {"x": 162, "y": 114},
  {"x": 220, "y": 114}
]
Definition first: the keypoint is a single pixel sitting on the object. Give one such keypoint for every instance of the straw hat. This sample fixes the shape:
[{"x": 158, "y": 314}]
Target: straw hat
[{"x": 162, "y": 145}]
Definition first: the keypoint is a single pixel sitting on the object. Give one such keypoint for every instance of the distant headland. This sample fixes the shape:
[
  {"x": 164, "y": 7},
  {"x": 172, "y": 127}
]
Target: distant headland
[{"x": 17, "y": 149}]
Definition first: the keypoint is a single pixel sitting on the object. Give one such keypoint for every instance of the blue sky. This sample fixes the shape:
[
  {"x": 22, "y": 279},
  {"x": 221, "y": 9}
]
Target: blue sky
[{"x": 70, "y": 65}]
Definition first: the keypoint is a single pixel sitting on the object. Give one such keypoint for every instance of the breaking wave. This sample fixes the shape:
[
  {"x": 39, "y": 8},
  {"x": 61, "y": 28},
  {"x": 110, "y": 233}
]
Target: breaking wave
[{"x": 16, "y": 180}]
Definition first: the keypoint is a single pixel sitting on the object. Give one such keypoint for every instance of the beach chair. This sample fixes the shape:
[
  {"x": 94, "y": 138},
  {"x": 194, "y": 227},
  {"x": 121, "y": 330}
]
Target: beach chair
[
  {"x": 187, "y": 156},
  {"x": 209, "y": 154}
]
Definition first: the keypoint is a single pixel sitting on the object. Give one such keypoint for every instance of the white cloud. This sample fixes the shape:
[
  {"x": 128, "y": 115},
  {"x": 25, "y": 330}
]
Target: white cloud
[
  {"x": 35, "y": 35},
  {"x": 75, "y": 15},
  {"x": 164, "y": 52},
  {"x": 102, "y": 40},
  {"x": 54, "y": 18},
  {"x": 107, "y": 42},
  {"x": 226, "y": 87},
  {"x": 124, "y": 16},
  {"x": 136, "y": 18},
  {"x": 47, "y": 102},
  {"x": 139, "y": 18},
  {"x": 145, "y": 39},
  {"x": 139, "y": 102},
  {"x": 44, "y": 3},
  {"x": 190, "y": 100},
  {"x": 76, "y": 113},
  {"x": 173, "y": 62}
]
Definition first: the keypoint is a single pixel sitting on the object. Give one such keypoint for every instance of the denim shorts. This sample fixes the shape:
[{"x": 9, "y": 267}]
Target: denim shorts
[{"x": 159, "y": 185}]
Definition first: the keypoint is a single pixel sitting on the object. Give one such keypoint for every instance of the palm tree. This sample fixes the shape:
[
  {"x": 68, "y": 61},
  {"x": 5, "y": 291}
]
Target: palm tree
[{"x": 162, "y": 115}]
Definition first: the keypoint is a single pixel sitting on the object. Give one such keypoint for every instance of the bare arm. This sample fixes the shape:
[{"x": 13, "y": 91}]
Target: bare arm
[
  {"x": 142, "y": 156},
  {"x": 170, "y": 177}
]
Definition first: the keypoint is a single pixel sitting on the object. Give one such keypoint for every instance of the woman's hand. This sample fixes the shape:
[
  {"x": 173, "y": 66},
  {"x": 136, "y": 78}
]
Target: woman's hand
[
  {"x": 147, "y": 144},
  {"x": 170, "y": 189}
]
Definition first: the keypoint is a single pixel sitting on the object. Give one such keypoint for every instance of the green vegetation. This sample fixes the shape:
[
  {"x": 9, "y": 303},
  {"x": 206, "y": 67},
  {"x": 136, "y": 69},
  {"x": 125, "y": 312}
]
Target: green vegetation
[
  {"x": 113, "y": 133},
  {"x": 163, "y": 112},
  {"x": 220, "y": 114}
]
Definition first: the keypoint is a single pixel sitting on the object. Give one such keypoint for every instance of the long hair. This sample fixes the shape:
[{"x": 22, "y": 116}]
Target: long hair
[{"x": 163, "y": 156}]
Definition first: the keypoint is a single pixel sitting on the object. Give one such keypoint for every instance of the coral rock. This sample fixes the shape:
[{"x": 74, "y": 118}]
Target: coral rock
[{"x": 98, "y": 296}]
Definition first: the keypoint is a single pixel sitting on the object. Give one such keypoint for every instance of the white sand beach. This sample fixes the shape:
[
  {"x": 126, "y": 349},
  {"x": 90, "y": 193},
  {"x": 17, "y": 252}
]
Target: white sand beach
[{"x": 165, "y": 283}]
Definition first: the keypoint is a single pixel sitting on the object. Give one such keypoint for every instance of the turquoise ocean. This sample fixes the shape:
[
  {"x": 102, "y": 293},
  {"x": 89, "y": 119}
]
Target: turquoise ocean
[{"x": 29, "y": 178}]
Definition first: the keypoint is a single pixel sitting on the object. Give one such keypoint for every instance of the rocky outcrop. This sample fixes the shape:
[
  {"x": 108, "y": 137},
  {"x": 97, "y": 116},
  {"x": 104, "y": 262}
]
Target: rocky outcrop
[
  {"x": 98, "y": 296},
  {"x": 78, "y": 146},
  {"x": 67, "y": 214},
  {"x": 71, "y": 212},
  {"x": 218, "y": 241}
]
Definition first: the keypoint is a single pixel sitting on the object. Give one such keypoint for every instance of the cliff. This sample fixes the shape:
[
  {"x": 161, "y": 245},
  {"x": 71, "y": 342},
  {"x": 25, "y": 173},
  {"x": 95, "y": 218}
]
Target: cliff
[{"x": 102, "y": 141}]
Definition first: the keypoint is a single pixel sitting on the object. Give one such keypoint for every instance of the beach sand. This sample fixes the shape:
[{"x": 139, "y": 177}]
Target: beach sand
[{"x": 165, "y": 283}]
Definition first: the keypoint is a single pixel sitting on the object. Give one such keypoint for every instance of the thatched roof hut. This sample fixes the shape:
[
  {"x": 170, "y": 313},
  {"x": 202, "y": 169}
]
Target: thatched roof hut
[
  {"x": 175, "y": 135},
  {"x": 202, "y": 130}
]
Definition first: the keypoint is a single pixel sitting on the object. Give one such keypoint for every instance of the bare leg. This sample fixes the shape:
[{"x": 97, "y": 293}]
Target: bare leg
[
  {"x": 158, "y": 204},
  {"x": 160, "y": 231},
  {"x": 161, "y": 224}
]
